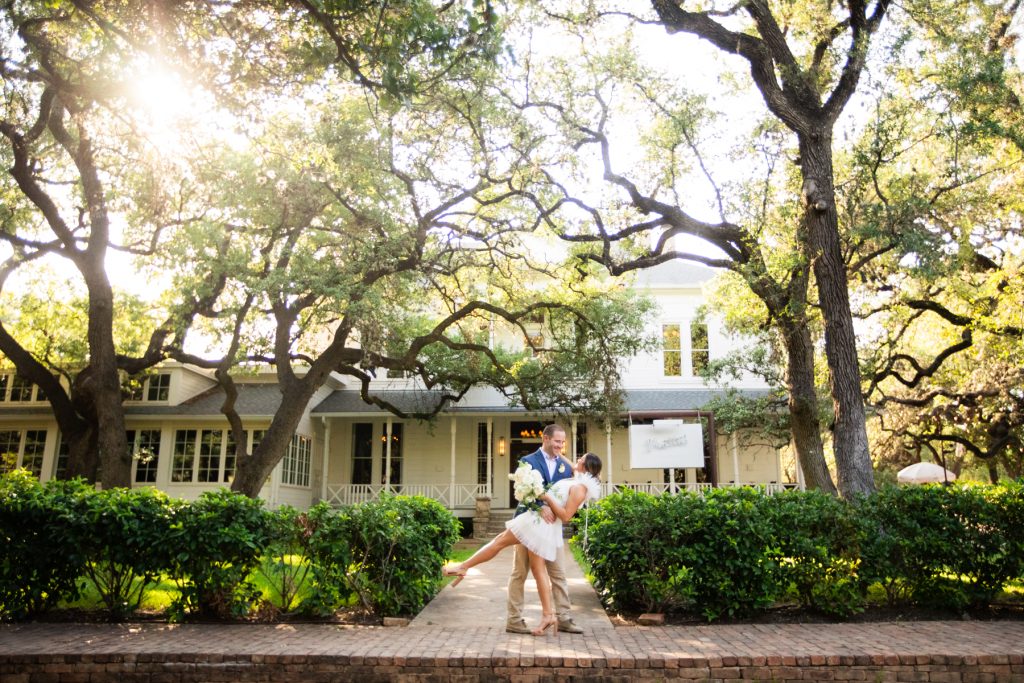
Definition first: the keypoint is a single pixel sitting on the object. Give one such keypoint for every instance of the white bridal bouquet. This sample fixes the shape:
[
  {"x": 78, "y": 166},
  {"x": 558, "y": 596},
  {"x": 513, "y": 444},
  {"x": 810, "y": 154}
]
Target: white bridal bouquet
[{"x": 529, "y": 485}]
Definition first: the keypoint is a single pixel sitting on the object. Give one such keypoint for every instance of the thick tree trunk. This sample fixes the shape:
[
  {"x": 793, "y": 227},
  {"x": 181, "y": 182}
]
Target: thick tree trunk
[
  {"x": 105, "y": 385},
  {"x": 83, "y": 455},
  {"x": 805, "y": 426},
  {"x": 252, "y": 471},
  {"x": 993, "y": 471},
  {"x": 850, "y": 440}
]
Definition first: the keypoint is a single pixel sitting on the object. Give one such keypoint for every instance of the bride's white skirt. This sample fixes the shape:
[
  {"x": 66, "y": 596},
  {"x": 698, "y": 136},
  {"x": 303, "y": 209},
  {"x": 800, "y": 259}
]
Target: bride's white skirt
[{"x": 536, "y": 535}]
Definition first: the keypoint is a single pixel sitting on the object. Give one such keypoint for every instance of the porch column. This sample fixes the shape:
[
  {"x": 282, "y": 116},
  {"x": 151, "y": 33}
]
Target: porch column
[
  {"x": 327, "y": 451},
  {"x": 490, "y": 456},
  {"x": 608, "y": 450},
  {"x": 451, "y": 490},
  {"x": 572, "y": 448},
  {"x": 778, "y": 467},
  {"x": 735, "y": 457},
  {"x": 387, "y": 455}
]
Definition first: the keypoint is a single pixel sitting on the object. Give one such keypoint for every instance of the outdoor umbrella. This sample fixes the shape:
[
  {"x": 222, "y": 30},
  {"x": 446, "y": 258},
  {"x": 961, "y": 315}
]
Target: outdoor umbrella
[{"x": 924, "y": 473}]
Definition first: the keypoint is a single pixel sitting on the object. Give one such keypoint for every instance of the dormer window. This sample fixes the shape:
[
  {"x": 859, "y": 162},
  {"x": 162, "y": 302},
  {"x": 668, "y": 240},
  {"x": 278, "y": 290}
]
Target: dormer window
[
  {"x": 158, "y": 387},
  {"x": 148, "y": 387}
]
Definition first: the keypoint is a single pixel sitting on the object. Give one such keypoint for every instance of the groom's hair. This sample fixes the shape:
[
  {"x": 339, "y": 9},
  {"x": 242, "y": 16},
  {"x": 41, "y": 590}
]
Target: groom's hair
[
  {"x": 592, "y": 464},
  {"x": 550, "y": 430}
]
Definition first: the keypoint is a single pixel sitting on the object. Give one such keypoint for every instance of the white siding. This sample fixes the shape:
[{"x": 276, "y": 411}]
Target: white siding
[{"x": 185, "y": 384}]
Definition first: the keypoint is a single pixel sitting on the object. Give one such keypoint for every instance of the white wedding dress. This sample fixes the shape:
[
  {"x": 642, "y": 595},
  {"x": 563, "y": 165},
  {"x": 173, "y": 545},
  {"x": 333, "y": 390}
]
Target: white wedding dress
[{"x": 544, "y": 538}]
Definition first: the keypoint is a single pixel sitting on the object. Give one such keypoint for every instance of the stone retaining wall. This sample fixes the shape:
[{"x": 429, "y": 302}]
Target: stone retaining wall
[{"x": 211, "y": 668}]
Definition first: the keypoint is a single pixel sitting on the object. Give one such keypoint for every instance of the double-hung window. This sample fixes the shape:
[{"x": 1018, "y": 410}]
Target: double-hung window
[
  {"x": 144, "y": 445},
  {"x": 685, "y": 351},
  {"x": 296, "y": 464},
  {"x": 204, "y": 455},
  {"x": 22, "y": 448}
]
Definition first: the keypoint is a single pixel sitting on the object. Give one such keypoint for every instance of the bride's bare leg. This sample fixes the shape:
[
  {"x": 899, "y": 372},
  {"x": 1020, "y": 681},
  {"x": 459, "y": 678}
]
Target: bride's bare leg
[
  {"x": 488, "y": 552},
  {"x": 539, "y": 569}
]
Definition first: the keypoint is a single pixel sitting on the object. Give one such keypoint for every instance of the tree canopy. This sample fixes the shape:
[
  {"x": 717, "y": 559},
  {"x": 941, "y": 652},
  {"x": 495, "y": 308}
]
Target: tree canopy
[{"x": 350, "y": 189}]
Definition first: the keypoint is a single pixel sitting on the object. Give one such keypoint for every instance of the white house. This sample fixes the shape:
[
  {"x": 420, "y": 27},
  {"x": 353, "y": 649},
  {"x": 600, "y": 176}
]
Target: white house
[{"x": 346, "y": 451}]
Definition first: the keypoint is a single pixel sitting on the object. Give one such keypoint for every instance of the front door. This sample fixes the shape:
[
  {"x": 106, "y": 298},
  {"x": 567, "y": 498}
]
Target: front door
[{"x": 525, "y": 439}]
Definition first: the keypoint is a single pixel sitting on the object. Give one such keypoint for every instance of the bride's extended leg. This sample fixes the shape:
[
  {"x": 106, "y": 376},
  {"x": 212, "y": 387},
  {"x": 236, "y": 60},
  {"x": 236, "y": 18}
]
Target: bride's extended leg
[
  {"x": 539, "y": 569},
  {"x": 488, "y": 552}
]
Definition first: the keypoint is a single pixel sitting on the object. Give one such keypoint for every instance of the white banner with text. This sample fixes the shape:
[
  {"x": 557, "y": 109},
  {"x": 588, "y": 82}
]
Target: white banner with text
[{"x": 666, "y": 443}]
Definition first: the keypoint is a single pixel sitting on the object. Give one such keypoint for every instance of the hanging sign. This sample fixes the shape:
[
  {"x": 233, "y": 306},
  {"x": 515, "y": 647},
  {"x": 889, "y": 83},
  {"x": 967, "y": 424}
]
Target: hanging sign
[{"x": 666, "y": 444}]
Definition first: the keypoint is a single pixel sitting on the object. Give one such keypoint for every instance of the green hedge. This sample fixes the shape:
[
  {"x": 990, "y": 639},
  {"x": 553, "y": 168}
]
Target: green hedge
[
  {"x": 39, "y": 532},
  {"x": 736, "y": 551},
  {"x": 385, "y": 555}
]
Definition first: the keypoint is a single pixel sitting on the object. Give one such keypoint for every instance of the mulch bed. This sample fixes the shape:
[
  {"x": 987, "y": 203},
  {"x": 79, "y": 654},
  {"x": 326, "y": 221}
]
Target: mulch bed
[{"x": 794, "y": 614}]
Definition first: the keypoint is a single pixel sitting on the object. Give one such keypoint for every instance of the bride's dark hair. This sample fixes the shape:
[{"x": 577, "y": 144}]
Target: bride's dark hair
[{"x": 592, "y": 464}]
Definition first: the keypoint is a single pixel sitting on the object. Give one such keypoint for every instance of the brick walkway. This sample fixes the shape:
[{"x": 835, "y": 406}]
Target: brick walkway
[
  {"x": 461, "y": 638},
  {"x": 919, "y": 651}
]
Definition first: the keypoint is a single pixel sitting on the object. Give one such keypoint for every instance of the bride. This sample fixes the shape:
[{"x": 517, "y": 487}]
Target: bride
[{"x": 542, "y": 539}]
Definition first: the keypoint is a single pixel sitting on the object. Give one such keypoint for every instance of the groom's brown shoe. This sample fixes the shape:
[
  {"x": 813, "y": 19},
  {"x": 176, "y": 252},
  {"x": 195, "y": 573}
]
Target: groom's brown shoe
[
  {"x": 568, "y": 626},
  {"x": 517, "y": 627}
]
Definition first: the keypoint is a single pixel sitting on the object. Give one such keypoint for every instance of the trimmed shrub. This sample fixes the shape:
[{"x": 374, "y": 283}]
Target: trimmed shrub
[
  {"x": 216, "y": 543},
  {"x": 709, "y": 554},
  {"x": 736, "y": 551},
  {"x": 126, "y": 536},
  {"x": 818, "y": 550},
  {"x": 285, "y": 562},
  {"x": 943, "y": 546},
  {"x": 330, "y": 559},
  {"x": 386, "y": 554},
  {"x": 631, "y": 552},
  {"x": 39, "y": 533}
]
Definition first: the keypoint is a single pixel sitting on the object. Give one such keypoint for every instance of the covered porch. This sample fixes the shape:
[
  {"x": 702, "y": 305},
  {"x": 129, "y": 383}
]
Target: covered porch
[{"x": 467, "y": 452}]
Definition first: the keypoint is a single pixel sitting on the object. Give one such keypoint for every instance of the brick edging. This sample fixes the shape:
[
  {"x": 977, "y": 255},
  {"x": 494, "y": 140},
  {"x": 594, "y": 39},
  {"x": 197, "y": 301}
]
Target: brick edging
[{"x": 156, "y": 667}]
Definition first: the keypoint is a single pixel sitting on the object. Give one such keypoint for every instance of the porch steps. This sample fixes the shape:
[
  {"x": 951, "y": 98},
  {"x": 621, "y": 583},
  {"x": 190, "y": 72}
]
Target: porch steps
[{"x": 496, "y": 523}]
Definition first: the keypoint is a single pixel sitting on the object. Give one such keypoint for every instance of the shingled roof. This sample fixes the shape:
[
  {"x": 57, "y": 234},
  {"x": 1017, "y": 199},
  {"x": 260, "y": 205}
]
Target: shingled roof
[{"x": 253, "y": 399}]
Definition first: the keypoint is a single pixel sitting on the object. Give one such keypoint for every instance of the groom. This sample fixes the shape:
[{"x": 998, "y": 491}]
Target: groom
[{"x": 552, "y": 466}]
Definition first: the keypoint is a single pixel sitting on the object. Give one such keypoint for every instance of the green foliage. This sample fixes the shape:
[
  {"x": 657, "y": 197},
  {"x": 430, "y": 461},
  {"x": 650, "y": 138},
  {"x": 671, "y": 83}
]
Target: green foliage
[
  {"x": 330, "y": 556},
  {"x": 387, "y": 553},
  {"x": 215, "y": 544},
  {"x": 39, "y": 533},
  {"x": 944, "y": 546},
  {"x": 285, "y": 565},
  {"x": 709, "y": 554},
  {"x": 817, "y": 546},
  {"x": 736, "y": 550},
  {"x": 125, "y": 537}
]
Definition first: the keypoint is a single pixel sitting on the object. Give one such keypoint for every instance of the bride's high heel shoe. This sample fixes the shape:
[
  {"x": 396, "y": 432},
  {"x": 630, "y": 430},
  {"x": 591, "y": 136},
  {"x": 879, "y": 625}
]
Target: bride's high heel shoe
[
  {"x": 459, "y": 575},
  {"x": 549, "y": 620}
]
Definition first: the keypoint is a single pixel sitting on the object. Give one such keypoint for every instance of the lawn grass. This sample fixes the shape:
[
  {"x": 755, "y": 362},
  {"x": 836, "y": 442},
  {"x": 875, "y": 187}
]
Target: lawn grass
[{"x": 159, "y": 596}]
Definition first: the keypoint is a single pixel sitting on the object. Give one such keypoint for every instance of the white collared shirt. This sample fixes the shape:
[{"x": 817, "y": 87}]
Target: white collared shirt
[{"x": 551, "y": 461}]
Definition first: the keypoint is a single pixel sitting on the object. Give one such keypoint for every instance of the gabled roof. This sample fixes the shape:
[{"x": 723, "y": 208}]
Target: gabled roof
[
  {"x": 253, "y": 399},
  {"x": 674, "y": 274},
  {"x": 263, "y": 400},
  {"x": 348, "y": 401},
  {"x": 650, "y": 400}
]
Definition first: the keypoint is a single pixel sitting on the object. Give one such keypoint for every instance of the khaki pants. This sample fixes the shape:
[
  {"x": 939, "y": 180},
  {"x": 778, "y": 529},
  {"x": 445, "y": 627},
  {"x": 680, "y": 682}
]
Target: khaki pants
[{"x": 516, "y": 582}]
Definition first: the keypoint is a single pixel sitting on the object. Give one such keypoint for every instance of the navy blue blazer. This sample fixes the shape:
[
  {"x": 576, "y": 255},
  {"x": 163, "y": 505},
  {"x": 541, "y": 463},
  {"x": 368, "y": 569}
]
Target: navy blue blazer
[{"x": 536, "y": 460}]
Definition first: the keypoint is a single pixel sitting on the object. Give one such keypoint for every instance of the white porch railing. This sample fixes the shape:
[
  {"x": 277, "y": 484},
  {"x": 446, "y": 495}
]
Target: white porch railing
[
  {"x": 459, "y": 496},
  {"x": 659, "y": 488},
  {"x": 463, "y": 496}
]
